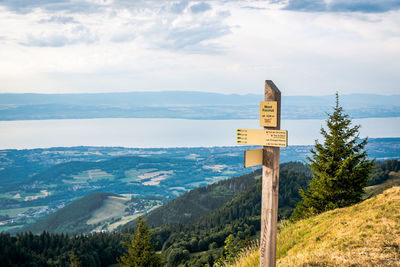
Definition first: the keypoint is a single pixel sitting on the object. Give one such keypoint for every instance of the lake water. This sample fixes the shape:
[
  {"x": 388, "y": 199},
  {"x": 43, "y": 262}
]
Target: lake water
[{"x": 164, "y": 132}]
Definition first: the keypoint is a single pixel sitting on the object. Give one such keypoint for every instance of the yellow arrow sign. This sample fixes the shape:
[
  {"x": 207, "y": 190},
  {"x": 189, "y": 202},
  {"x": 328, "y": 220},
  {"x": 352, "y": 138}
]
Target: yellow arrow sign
[{"x": 259, "y": 137}]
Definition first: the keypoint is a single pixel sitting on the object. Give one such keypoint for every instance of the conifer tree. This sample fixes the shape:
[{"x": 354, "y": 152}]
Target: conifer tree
[
  {"x": 230, "y": 249},
  {"x": 339, "y": 166},
  {"x": 141, "y": 249}
]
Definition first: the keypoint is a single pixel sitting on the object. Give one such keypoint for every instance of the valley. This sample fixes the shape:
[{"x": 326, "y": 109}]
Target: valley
[{"x": 38, "y": 182}]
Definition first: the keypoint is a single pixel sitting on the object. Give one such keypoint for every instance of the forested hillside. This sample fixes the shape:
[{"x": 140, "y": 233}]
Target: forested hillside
[
  {"x": 201, "y": 241},
  {"x": 200, "y": 201}
]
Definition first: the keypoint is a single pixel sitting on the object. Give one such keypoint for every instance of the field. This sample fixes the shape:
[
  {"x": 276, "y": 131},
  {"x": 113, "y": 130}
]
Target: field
[{"x": 41, "y": 181}]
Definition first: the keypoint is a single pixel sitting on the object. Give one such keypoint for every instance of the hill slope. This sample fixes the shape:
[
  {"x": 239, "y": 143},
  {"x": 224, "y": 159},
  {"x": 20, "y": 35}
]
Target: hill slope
[
  {"x": 200, "y": 201},
  {"x": 366, "y": 234},
  {"x": 204, "y": 238},
  {"x": 196, "y": 243},
  {"x": 81, "y": 215},
  {"x": 197, "y": 202},
  {"x": 103, "y": 211}
]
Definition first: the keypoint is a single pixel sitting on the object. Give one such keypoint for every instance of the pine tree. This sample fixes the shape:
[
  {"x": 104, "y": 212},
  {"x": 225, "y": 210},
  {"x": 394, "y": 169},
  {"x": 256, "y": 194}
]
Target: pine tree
[
  {"x": 340, "y": 167},
  {"x": 75, "y": 261},
  {"x": 231, "y": 249},
  {"x": 140, "y": 249}
]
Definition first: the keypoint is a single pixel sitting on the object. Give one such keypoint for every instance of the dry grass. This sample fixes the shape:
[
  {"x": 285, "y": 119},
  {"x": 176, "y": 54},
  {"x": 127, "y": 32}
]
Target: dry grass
[
  {"x": 366, "y": 234},
  {"x": 249, "y": 257},
  {"x": 374, "y": 190}
]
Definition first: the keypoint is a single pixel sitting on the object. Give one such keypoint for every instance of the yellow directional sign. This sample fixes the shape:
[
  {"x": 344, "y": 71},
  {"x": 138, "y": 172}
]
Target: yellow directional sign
[
  {"x": 276, "y": 138},
  {"x": 268, "y": 113},
  {"x": 253, "y": 157}
]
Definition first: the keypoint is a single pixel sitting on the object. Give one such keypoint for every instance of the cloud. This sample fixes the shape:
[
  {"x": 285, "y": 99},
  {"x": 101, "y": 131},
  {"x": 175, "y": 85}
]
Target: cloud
[
  {"x": 179, "y": 7},
  {"x": 68, "y": 6},
  {"x": 75, "y": 35},
  {"x": 58, "y": 19},
  {"x": 122, "y": 37},
  {"x": 254, "y": 7},
  {"x": 187, "y": 26},
  {"x": 200, "y": 8},
  {"x": 190, "y": 39},
  {"x": 364, "y": 6},
  {"x": 306, "y": 5},
  {"x": 191, "y": 34},
  {"x": 367, "y": 6}
]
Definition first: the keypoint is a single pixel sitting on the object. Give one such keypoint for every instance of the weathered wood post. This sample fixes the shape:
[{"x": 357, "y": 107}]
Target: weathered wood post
[
  {"x": 270, "y": 187},
  {"x": 271, "y": 138}
]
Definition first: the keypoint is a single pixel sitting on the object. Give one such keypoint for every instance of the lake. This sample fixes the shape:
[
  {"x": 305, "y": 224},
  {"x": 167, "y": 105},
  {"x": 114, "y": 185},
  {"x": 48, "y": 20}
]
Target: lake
[{"x": 163, "y": 132}]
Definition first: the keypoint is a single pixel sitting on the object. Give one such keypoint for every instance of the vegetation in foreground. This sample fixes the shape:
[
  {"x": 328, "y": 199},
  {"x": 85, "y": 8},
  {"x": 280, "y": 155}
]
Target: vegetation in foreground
[
  {"x": 340, "y": 167},
  {"x": 365, "y": 234},
  {"x": 140, "y": 249}
]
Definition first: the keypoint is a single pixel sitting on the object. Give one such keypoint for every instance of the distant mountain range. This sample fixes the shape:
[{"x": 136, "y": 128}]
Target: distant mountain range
[{"x": 187, "y": 105}]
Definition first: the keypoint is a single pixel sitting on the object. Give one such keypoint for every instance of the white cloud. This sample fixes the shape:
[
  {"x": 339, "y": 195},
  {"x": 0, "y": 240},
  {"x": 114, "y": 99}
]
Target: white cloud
[{"x": 223, "y": 46}]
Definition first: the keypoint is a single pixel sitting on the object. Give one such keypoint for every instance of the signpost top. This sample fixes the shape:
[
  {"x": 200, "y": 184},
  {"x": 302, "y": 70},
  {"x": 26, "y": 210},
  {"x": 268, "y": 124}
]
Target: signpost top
[
  {"x": 271, "y": 89},
  {"x": 272, "y": 93}
]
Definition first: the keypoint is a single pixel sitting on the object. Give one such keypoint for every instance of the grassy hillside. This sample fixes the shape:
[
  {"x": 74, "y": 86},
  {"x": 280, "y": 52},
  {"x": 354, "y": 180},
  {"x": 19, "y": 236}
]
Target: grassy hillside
[
  {"x": 366, "y": 234},
  {"x": 73, "y": 217}
]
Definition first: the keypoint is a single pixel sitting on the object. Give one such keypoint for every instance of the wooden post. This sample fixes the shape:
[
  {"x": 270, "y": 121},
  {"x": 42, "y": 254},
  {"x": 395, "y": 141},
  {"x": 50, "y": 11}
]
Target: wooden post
[{"x": 270, "y": 187}]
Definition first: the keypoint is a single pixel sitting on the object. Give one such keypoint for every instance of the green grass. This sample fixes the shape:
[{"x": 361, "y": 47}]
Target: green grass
[
  {"x": 89, "y": 175},
  {"x": 133, "y": 174},
  {"x": 112, "y": 207},
  {"x": 8, "y": 195},
  {"x": 10, "y": 228},
  {"x": 15, "y": 212},
  {"x": 73, "y": 217}
]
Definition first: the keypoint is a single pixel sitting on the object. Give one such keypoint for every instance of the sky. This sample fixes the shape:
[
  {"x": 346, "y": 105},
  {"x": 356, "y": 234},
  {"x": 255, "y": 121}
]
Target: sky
[{"x": 307, "y": 47}]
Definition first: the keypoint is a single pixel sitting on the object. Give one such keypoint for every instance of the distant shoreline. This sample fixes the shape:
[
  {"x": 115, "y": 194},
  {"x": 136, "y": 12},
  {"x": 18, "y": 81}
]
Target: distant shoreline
[
  {"x": 310, "y": 117},
  {"x": 186, "y": 105}
]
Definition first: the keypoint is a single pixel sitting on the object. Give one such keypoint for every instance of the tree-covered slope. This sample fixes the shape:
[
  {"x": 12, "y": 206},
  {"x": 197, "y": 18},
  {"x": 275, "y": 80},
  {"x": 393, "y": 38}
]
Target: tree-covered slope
[
  {"x": 203, "y": 239},
  {"x": 198, "y": 242},
  {"x": 200, "y": 201}
]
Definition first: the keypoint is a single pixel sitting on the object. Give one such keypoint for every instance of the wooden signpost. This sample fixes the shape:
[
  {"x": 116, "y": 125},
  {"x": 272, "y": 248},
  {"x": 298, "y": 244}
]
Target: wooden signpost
[
  {"x": 258, "y": 137},
  {"x": 253, "y": 158},
  {"x": 272, "y": 138}
]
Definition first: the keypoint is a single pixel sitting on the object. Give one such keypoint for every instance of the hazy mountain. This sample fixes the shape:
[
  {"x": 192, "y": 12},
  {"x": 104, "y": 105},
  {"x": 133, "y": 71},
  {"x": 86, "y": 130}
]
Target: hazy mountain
[{"x": 189, "y": 105}]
